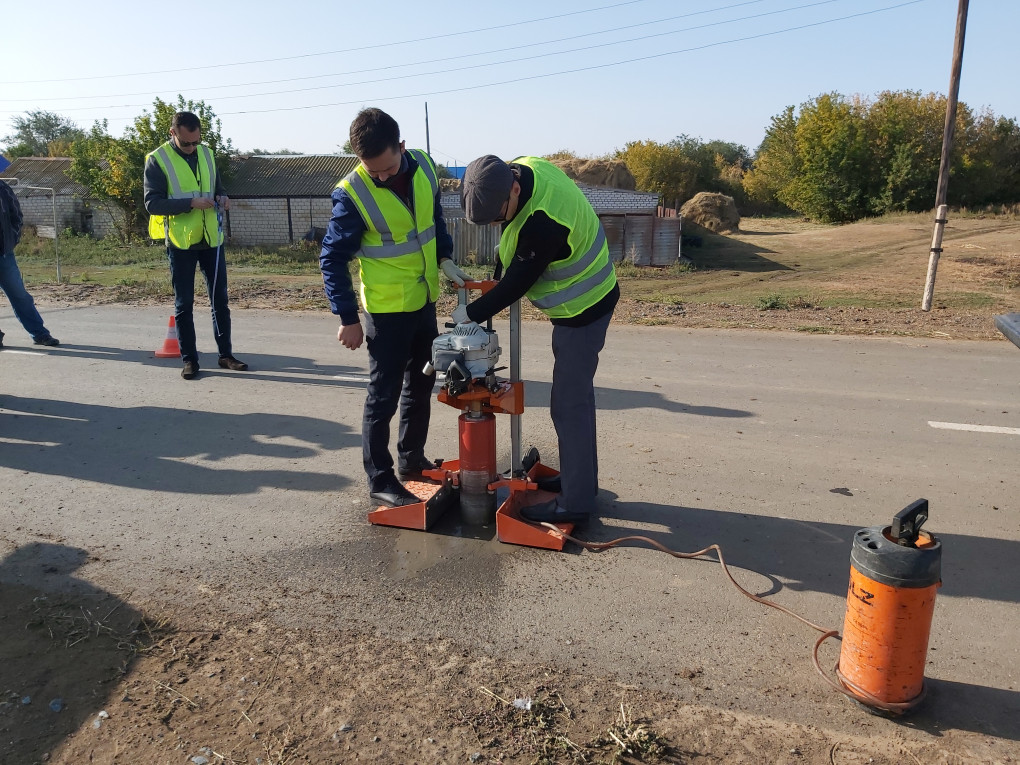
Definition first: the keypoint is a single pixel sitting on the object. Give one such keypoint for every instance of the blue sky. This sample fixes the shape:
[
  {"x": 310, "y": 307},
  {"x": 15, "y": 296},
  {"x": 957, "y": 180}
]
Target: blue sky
[{"x": 516, "y": 78}]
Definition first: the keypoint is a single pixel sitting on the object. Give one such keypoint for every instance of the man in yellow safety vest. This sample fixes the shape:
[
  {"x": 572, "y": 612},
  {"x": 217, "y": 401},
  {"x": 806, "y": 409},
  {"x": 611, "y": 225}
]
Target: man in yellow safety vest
[
  {"x": 387, "y": 214},
  {"x": 185, "y": 201},
  {"x": 554, "y": 251}
]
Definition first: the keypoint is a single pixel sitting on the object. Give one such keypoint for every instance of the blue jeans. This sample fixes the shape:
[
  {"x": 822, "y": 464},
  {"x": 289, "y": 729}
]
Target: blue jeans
[
  {"x": 399, "y": 345},
  {"x": 21, "y": 301},
  {"x": 182, "y": 274}
]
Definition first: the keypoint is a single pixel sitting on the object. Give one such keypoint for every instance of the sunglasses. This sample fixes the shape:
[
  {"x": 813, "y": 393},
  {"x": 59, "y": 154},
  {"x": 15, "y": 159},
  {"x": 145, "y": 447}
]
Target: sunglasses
[{"x": 188, "y": 144}]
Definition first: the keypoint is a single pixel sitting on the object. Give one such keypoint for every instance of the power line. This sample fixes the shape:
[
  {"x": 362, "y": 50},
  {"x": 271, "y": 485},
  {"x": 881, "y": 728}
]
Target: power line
[
  {"x": 346, "y": 50},
  {"x": 582, "y": 69},
  {"x": 461, "y": 56},
  {"x": 546, "y": 74}
]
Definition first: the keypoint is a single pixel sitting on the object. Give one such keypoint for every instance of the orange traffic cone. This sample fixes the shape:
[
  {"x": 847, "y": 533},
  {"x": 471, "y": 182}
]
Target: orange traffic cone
[{"x": 171, "y": 348}]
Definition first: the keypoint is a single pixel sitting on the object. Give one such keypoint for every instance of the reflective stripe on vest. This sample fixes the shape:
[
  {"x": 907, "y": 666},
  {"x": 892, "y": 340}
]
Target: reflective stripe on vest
[
  {"x": 567, "y": 287},
  {"x": 195, "y": 226},
  {"x": 397, "y": 259}
]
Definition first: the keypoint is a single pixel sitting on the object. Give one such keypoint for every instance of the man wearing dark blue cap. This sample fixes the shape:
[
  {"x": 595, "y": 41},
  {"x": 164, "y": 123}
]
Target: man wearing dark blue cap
[{"x": 554, "y": 251}]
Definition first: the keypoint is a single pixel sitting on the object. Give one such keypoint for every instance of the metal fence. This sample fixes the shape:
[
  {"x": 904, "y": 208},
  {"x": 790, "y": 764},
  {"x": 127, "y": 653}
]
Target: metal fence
[
  {"x": 473, "y": 244},
  {"x": 644, "y": 240}
]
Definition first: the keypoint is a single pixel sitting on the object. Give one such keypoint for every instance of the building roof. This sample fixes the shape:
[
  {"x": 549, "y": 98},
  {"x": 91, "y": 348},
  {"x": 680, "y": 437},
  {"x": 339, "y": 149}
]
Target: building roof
[
  {"x": 286, "y": 175},
  {"x": 604, "y": 199},
  {"x": 48, "y": 172}
]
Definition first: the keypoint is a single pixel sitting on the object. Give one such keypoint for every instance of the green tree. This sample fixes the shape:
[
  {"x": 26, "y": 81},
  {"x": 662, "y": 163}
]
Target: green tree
[
  {"x": 41, "y": 134},
  {"x": 278, "y": 152},
  {"x": 112, "y": 168},
  {"x": 775, "y": 165},
  {"x": 906, "y": 130},
  {"x": 102, "y": 164},
  {"x": 676, "y": 170},
  {"x": 841, "y": 159},
  {"x": 989, "y": 171},
  {"x": 835, "y": 167}
]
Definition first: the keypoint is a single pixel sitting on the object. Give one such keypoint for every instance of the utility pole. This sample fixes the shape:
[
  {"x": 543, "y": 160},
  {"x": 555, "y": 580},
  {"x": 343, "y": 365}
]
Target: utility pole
[
  {"x": 941, "y": 208},
  {"x": 428, "y": 148}
]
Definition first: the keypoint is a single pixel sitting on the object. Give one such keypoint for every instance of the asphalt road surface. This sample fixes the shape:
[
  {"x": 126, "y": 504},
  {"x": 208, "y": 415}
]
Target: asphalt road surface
[{"x": 245, "y": 490}]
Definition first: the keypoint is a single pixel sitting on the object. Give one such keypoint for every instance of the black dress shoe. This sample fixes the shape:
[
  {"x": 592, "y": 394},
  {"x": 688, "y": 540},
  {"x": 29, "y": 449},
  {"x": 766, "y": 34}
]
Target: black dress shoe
[
  {"x": 413, "y": 470},
  {"x": 229, "y": 362},
  {"x": 394, "y": 495},
  {"x": 549, "y": 483},
  {"x": 551, "y": 512}
]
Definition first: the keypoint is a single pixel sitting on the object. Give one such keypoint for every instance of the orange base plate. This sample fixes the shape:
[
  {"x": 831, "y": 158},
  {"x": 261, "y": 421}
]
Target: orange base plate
[
  {"x": 512, "y": 529},
  {"x": 437, "y": 498}
]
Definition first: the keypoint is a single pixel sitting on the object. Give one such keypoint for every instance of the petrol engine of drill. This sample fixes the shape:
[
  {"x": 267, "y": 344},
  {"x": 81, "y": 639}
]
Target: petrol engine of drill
[{"x": 468, "y": 352}]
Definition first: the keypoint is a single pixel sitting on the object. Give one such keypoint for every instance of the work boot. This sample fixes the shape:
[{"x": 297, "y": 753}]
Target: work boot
[
  {"x": 190, "y": 370},
  {"x": 229, "y": 362},
  {"x": 49, "y": 340},
  {"x": 551, "y": 512}
]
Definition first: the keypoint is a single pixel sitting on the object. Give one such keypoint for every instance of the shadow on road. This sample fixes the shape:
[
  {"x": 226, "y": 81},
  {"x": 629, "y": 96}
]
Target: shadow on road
[
  {"x": 537, "y": 394},
  {"x": 265, "y": 367},
  {"x": 163, "y": 449},
  {"x": 963, "y": 706},
  {"x": 810, "y": 555},
  {"x": 61, "y": 642}
]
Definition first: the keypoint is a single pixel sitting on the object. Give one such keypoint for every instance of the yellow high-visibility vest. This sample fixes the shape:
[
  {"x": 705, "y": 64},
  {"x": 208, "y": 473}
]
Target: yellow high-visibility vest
[
  {"x": 397, "y": 259},
  {"x": 194, "y": 226},
  {"x": 567, "y": 287}
]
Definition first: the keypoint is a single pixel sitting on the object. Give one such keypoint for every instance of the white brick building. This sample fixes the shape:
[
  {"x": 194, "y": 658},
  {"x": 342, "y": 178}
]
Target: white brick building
[
  {"x": 282, "y": 199},
  {"x": 32, "y": 178},
  {"x": 277, "y": 200}
]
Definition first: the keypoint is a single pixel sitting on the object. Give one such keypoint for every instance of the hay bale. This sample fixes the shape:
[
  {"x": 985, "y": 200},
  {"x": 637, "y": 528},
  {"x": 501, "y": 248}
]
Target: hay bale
[
  {"x": 449, "y": 184},
  {"x": 598, "y": 172},
  {"x": 716, "y": 212}
]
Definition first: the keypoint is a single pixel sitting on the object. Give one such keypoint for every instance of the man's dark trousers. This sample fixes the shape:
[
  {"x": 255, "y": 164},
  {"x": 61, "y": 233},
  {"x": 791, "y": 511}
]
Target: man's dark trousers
[
  {"x": 399, "y": 347},
  {"x": 182, "y": 273},
  {"x": 572, "y": 408}
]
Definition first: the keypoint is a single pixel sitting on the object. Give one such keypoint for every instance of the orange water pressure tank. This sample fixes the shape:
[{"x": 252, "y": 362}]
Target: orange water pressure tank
[{"x": 894, "y": 573}]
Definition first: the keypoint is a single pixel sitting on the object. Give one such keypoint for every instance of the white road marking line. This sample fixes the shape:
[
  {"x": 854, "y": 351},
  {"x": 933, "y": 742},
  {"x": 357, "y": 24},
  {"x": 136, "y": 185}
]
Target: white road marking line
[{"x": 975, "y": 428}]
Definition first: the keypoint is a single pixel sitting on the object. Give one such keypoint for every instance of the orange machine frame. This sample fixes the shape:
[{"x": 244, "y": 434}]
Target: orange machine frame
[{"x": 506, "y": 398}]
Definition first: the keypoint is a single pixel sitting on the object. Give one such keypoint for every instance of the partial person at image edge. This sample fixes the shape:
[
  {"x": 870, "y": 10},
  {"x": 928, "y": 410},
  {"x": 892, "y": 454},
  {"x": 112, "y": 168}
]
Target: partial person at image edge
[{"x": 10, "y": 275}]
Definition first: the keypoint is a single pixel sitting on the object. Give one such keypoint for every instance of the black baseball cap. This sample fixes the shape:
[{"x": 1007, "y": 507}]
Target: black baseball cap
[{"x": 486, "y": 186}]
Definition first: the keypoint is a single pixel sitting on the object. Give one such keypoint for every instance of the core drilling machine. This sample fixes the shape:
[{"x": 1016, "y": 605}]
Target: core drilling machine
[{"x": 464, "y": 361}]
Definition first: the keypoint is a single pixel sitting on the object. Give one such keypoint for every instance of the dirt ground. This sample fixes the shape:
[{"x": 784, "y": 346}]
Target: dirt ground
[
  {"x": 946, "y": 323},
  {"x": 857, "y": 267},
  {"x": 112, "y": 684}
]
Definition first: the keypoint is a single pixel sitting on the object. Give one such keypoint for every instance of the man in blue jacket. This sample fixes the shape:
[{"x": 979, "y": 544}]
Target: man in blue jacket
[{"x": 387, "y": 213}]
